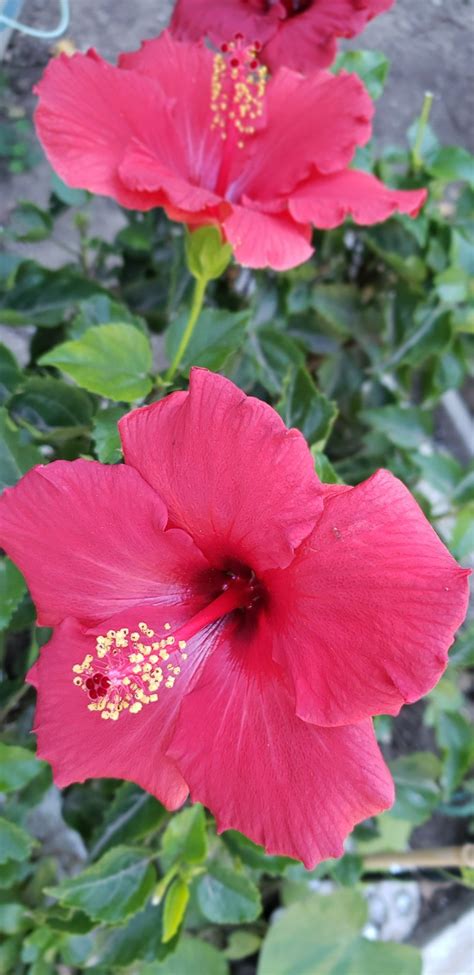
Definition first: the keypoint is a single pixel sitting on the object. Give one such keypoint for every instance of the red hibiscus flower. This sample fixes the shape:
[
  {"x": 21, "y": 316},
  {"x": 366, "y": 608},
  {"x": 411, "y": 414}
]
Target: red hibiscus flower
[
  {"x": 208, "y": 138},
  {"x": 225, "y": 624},
  {"x": 301, "y": 34}
]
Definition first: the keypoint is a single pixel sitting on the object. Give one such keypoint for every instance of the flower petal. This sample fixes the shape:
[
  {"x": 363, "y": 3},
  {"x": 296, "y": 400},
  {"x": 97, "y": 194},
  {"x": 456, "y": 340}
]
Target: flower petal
[
  {"x": 90, "y": 541},
  {"x": 79, "y": 744},
  {"x": 193, "y": 19},
  {"x": 326, "y": 201},
  {"x": 293, "y": 787},
  {"x": 228, "y": 469},
  {"x": 307, "y": 41},
  {"x": 141, "y": 170},
  {"x": 286, "y": 150},
  {"x": 183, "y": 73},
  {"x": 267, "y": 239},
  {"x": 87, "y": 114},
  {"x": 366, "y": 612}
]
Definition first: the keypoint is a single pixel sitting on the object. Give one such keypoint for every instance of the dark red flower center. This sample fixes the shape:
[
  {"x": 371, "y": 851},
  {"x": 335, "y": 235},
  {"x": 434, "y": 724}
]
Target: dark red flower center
[{"x": 294, "y": 7}]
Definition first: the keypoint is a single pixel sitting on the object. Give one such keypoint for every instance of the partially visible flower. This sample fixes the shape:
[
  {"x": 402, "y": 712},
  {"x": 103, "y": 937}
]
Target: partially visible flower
[
  {"x": 212, "y": 141},
  {"x": 301, "y": 34},
  {"x": 225, "y": 624}
]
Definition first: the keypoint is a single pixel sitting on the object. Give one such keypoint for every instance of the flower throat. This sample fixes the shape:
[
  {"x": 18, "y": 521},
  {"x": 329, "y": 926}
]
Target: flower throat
[{"x": 129, "y": 667}]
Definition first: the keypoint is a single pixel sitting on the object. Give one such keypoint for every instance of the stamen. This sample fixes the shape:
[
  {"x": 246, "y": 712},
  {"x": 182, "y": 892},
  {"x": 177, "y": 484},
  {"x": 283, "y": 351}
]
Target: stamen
[
  {"x": 237, "y": 90},
  {"x": 127, "y": 670}
]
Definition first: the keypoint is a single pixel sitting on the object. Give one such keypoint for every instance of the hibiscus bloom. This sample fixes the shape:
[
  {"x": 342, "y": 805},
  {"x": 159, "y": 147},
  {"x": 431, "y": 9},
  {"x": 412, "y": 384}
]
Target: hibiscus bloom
[
  {"x": 301, "y": 34},
  {"x": 212, "y": 141},
  {"x": 226, "y": 624}
]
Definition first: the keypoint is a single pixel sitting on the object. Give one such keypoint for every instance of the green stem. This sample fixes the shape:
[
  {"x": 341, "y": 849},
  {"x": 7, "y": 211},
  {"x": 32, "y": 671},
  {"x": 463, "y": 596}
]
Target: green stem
[
  {"x": 423, "y": 122},
  {"x": 196, "y": 308}
]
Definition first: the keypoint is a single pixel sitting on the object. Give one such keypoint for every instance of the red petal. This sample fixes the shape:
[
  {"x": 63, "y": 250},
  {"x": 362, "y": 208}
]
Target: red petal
[
  {"x": 141, "y": 170},
  {"x": 193, "y": 19},
  {"x": 266, "y": 239},
  {"x": 308, "y": 41},
  {"x": 326, "y": 201},
  {"x": 88, "y": 113},
  {"x": 182, "y": 139},
  {"x": 288, "y": 149},
  {"x": 366, "y": 612},
  {"x": 228, "y": 469},
  {"x": 89, "y": 539},
  {"x": 295, "y": 788}
]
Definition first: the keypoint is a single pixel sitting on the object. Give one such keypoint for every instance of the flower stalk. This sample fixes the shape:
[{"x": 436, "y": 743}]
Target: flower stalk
[
  {"x": 196, "y": 308},
  {"x": 417, "y": 155}
]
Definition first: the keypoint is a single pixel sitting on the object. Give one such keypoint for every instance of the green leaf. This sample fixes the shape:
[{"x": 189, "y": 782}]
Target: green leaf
[
  {"x": 417, "y": 790},
  {"x": 43, "y": 297},
  {"x": 175, "y": 905},
  {"x": 241, "y": 944},
  {"x": 441, "y": 470},
  {"x": 105, "y": 435},
  {"x": 132, "y": 815},
  {"x": 29, "y": 223},
  {"x": 338, "y": 305},
  {"x": 429, "y": 334},
  {"x": 114, "y": 888},
  {"x": 184, "y": 839},
  {"x": 451, "y": 164},
  {"x": 453, "y": 285},
  {"x": 192, "y": 957},
  {"x": 18, "y": 767},
  {"x": 463, "y": 534},
  {"x": 454, "y": 736},
  {"x": 304, "y": 407},
  {"x": 10, "y": 373},
  {"x": 324, "y": 468},
  {"x": 406, "y": 427},
  {"x": 371, "y": 66},
  {"x": 12, "y": 918},
  {"x": 66, "y": 194},
  {"x": 254, "y": 855},
  {"x": 13, "y": 872},
  {"x": 227, "y": 897},
  {"x": 101, "y": 309},
  {"x": 393, "y": 835},
  {"x": 111, "y": 360},
  {"x": 140, "y": 938},
  {"x": 12, "y": 590},
  {"x": 274, "y": 356},
  {"x": 217, "y": 336},
  {"x": 320, "y": 936},
  {"x": 52, "y": 408},
  {"x": 17, "y": 454},
  {"x": 375, "y": 957},
  {"x": 15, "y": 842},
  {"x": 207, "y": 255},
  {"x": 394, "y": 243}
]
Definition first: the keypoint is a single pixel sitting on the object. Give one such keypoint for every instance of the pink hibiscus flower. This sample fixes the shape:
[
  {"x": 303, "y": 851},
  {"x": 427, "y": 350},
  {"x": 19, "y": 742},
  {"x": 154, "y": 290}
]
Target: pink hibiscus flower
[
  {"x": 301, "y": 34},
  {"x": 227, "y": 625},
  {"x": 208, "y": 138}
]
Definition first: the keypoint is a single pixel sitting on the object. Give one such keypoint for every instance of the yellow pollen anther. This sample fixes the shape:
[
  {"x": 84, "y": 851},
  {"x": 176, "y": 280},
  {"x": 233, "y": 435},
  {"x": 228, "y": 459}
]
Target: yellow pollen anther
[{"x": 125, "y": 677}]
